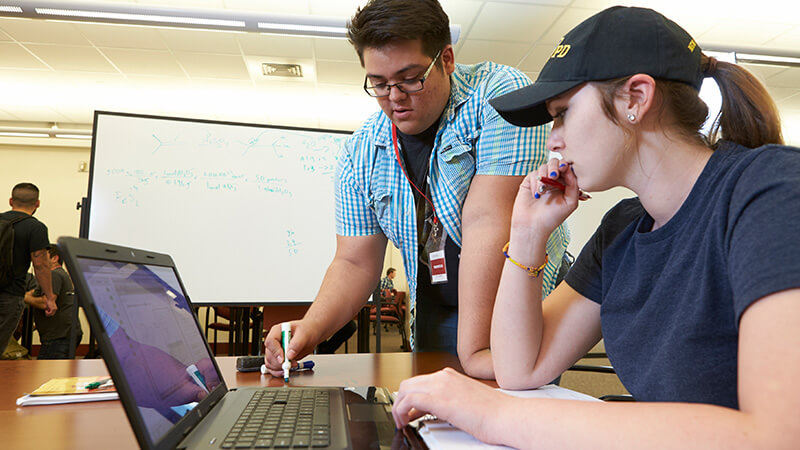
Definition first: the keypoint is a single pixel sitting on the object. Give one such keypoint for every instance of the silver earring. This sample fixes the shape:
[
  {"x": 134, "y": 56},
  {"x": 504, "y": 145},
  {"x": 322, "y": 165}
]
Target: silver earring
[{"x": 631, "y": 117}]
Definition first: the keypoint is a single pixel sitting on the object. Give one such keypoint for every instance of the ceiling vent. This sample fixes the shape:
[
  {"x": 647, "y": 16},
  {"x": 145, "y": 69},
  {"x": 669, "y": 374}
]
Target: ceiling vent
[{"x": 282, "y": 70}]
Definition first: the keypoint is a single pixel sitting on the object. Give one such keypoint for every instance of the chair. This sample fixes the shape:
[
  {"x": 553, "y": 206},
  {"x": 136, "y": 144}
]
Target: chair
[
  {"x": 604, "y": 369},
  {"x": 392, "y": 311},
  {"x": 220, "y": 312}
]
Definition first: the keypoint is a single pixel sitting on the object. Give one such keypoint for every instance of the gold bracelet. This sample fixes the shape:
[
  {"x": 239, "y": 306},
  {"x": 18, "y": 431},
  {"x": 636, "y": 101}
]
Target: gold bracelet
[{"x": 532, "y": 271}]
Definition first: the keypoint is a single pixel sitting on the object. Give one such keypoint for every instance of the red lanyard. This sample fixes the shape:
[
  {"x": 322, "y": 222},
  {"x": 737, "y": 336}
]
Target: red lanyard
[{"x": 402, "y": 167}]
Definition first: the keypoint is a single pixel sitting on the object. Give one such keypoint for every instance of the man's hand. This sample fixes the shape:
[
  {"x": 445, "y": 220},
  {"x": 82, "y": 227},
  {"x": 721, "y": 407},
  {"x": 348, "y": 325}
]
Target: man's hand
[
  {"x": 51, "y": 307},
  {"x": 301, "y": 344}
]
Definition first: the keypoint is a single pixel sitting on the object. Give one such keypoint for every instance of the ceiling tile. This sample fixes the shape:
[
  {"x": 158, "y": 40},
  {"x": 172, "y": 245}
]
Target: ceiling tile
[
  {"x": 597, "y": 5},
  {"x": 567, "y": 21},
  {"x": 35, "y": 112},
  {"x": 785, "y": 97},
  {"x": 188, "y": 4},
  {"x": 463, "y": 13},
  {"x": 764, "y": 71},
  {"x": 508, "y": 53},
  {"x": 122, "y": 36},
  {"x": 277, "y": 46},
  {"x": 64, "y": 57},
  {"x": 742, "y": 33},
  {"x": 541, "y": 2},
  {"x": 201, "y": 65},
  {"x": 270, "y": 6},
  {"x": 789, "y": 40},
  {"x": 536, "y": 58},
  {"x": 513, "y": 22},
  {"x": 335, "y": 8},
  {"x": 340, "y": 73},
  {"x": 5, "y": 115},
  {"x": 201, "y": 41},
  {"x": 43, "y": 31},
  {"x": 789, "y": 78},
  {"x": 335, "y": 50},
  {"x": 15, "y": 56},
  {"x": 779, "y": 93},
  {"x": 144, "y": 62}
]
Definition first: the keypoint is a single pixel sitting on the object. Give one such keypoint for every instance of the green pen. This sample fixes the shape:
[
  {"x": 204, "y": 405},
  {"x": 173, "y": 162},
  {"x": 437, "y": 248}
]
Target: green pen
[{"x": 97, "y": 384}]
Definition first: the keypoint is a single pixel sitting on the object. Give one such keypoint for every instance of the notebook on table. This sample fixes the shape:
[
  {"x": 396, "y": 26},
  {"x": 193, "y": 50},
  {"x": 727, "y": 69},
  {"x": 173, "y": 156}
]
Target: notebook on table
[{"x": 169, "y": 384}]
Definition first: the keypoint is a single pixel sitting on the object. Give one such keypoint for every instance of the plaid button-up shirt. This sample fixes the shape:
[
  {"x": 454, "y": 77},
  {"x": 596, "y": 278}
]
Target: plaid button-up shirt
[{"x": 373, "y": 195}]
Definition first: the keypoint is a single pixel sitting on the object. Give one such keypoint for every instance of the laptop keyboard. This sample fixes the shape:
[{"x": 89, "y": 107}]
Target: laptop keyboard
[{"x": 283, "y": 418}]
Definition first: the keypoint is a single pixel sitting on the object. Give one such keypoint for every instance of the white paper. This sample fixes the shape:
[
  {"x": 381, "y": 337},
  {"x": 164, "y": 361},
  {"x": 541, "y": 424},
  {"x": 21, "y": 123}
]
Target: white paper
[
  {"x": 439, "y": 434},
  {"x": 30, "y": 400}
]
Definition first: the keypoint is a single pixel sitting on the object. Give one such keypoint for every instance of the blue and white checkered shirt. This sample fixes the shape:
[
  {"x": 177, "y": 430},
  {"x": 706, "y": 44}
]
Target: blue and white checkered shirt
[{"x": 373, "y": 195}]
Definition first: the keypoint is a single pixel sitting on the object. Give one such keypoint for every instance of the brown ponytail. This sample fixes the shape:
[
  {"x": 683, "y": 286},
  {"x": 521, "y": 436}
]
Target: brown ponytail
[{"x": 748, "y": 116}]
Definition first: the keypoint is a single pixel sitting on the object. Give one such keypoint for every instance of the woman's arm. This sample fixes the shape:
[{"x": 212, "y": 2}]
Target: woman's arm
[
  {"x": 769, "y": 366},
  {"x": 533, "y": 342}
]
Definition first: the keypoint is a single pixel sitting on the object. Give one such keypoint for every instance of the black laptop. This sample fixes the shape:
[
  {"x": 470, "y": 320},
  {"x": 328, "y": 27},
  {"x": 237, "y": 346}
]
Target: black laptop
[{"x": 169, "y": 383}]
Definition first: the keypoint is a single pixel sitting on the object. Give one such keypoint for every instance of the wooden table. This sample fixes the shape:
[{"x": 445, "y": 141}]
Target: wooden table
[{"x": 103, "y": 425}]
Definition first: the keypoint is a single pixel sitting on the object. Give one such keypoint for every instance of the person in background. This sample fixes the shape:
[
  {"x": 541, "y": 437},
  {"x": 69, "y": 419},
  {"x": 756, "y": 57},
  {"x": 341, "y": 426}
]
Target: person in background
[
  {"x": 30, "y": 245},
  {"x": 694, "y": 285},
  {"x": 435, "y": 171},
  {"x": 387, "y": 282},
  {"x": 55, "y": 331}
]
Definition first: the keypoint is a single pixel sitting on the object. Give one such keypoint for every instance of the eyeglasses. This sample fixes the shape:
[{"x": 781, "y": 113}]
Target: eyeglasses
[{"x": 405, "y": 86}]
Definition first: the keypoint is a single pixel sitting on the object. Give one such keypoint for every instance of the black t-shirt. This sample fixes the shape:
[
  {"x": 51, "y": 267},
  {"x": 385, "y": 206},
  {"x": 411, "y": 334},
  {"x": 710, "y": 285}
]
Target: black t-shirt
[
  {"x": 30, "y": 235},
  {"x": 671, "y": 299},
  {"x": 416, "y": 152},
  {"x": 58, "y": 325}
]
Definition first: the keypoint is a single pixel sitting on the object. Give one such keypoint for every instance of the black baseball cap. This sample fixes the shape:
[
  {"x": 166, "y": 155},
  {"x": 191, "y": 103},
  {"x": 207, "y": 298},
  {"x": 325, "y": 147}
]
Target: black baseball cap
[{"x": 614, "y": 43}]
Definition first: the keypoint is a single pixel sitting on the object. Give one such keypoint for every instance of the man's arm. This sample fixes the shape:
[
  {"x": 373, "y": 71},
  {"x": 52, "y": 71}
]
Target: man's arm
[
  {"x": 38, "y": 302},
  {"x": 41, "y": 268},
  {"x": 486, "y": 218},
  {"x": 349, "y": 281}
]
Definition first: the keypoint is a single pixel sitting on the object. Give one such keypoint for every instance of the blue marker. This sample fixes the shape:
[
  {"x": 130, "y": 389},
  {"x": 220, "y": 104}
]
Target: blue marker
[{"x": 305, "y": 365}]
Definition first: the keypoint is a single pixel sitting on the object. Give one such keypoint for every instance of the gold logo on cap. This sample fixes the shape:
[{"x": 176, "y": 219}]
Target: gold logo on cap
[
  {"x": 692, "y": 45},
  {"x": 560, "y": 51}
]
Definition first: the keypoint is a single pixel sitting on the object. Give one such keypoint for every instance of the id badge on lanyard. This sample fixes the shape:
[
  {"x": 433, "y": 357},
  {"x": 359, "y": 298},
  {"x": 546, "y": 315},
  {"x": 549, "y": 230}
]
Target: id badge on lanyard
[{"x": 434, "y": 247}]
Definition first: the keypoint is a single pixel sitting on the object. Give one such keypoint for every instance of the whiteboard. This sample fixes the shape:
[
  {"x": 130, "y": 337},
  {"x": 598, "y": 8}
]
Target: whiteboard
[{"x": 246, "y": 211}]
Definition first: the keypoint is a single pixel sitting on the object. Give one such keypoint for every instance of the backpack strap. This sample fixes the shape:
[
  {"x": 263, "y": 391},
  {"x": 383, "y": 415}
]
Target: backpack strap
[{"x": 19, "y": 219}]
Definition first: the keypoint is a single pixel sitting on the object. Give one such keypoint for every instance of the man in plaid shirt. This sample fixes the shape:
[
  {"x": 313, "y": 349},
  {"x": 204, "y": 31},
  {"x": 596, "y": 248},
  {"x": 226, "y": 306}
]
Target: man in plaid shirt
[{"x": 435, "y": 172}]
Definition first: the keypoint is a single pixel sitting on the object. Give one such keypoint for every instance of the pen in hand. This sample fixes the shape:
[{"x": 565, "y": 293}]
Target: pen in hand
[
  {"x": 562, "y": 187},
  {"x": 286, "y": 335},
  {"x": 305, "y": 365}
]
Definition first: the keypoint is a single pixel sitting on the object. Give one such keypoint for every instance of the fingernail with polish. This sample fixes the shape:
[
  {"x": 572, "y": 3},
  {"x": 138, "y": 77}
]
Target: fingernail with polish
[
  {"x": 536, "y": 195},
  {"x": 562, "y": 165},
  {"x": 553, "y": 174}
]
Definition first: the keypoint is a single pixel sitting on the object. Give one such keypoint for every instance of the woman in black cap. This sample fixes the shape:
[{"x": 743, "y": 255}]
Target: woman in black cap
[{"x": 694, "y": 285}]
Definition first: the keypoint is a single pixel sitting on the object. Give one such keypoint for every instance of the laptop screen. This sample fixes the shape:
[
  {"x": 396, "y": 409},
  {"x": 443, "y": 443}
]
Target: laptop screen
[{"x": 154, "y": 334}]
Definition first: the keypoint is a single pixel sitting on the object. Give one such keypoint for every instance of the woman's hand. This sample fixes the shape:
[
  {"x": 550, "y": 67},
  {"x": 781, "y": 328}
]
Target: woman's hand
[
  {"x": 462, "y": 401},
  {"x": 539, "y": 208}
]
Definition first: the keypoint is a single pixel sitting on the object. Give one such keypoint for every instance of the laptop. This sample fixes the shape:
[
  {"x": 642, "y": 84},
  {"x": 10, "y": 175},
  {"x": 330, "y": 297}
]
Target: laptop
[{"x": 168, "y": 380}]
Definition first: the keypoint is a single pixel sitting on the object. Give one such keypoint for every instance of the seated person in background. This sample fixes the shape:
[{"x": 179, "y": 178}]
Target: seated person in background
[
  {"x": 54, "y": 331},
  {"x": 330, "y": 345},
  {"x": 387, "y": 283},
  {"x": 694, "y": 285}
]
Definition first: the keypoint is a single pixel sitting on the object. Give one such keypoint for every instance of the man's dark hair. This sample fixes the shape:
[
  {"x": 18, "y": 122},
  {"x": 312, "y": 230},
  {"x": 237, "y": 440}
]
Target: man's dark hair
[
  {"x": 389, "y": 271},
  {"x": 25, "y": 194},
  {"x": 382, "y": 22},
  {"x": 53, "y": 251}
]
